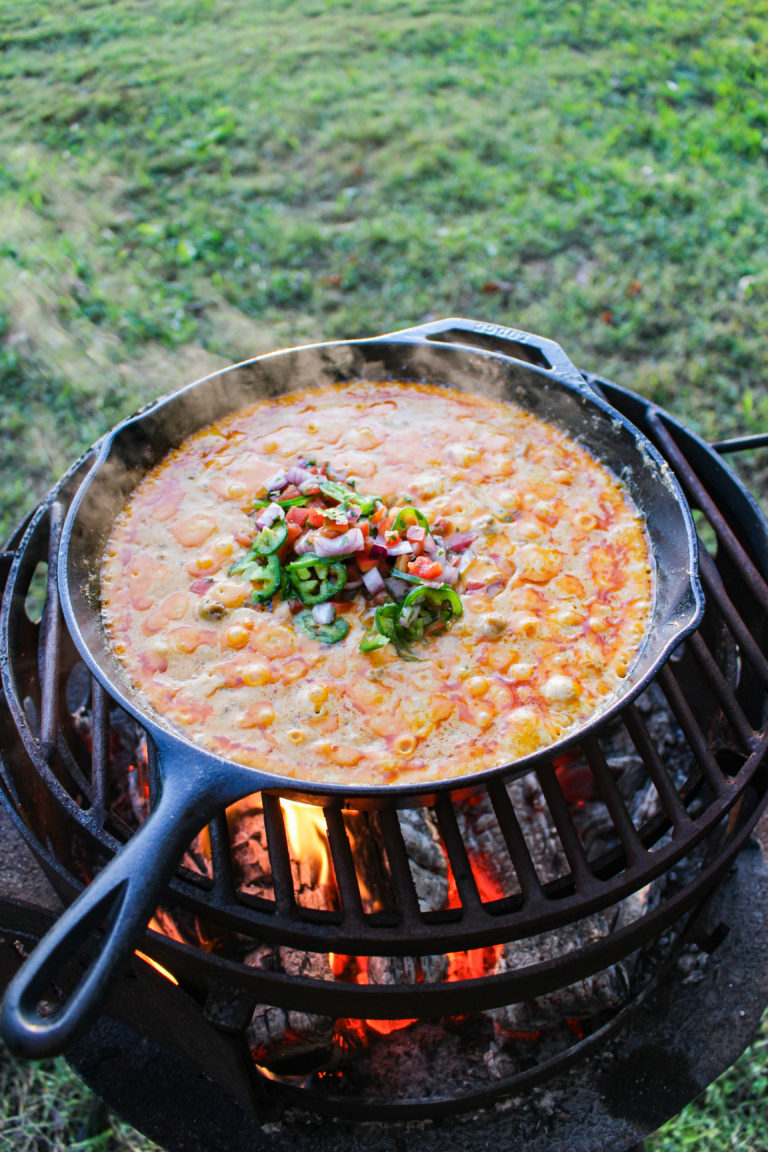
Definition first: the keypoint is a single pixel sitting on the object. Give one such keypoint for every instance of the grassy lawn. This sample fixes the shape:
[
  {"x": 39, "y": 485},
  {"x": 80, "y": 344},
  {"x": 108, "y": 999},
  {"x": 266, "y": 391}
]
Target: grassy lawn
[{"x": 191, "y": 182}]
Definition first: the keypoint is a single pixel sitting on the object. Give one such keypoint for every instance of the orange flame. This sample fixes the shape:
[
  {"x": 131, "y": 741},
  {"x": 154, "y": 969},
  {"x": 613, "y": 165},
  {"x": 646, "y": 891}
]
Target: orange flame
[{"x": 308, "y": 839}]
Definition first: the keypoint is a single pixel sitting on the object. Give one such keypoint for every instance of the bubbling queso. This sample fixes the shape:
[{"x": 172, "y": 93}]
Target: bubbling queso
[{"x": 376, "y": 583}]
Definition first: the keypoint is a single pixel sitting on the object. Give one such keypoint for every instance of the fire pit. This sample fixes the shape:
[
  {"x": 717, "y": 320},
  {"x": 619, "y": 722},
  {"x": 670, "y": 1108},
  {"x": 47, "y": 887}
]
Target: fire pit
[{"x": 530, "y": 942}]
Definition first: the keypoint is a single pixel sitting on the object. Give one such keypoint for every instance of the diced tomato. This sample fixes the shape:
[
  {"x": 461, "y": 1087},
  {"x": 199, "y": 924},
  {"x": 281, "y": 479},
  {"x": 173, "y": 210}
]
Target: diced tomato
[
  {"x": 315, "y": 517},
  {"x": 297, "y": 515},
  {"x": 365, "y": 563},
  {"x": 364, "y": 527},
  {"x": 391, "y": 538},
  {"x": 200, "y": 586},
  {"x": 286, "y": 548},
  {"x": 425, "y": 568},
  {"x": 378, "y": 515}
]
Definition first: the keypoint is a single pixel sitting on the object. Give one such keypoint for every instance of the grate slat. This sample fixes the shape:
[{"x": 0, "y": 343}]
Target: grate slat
[
  {"x": 51, "y": 641},
  {"x": 654, "y": 766},
  {"x": 343, "y": 864},
  {"x": 693, "y": 734},
  {"x": 528, "y": 878},
  {"x": 715, "y": 590},
  {"x": 566, "y": 829},
  {"x": 722, "y": 691},
  {"x": 701, "y": 498},
  {"x": 633, "y": 845},
  {"x": 279, "y": 855},
  {"x": 456, "y": 851},
  {"x": 399, "y": 867},
  {"x": 100, "y": 732}
]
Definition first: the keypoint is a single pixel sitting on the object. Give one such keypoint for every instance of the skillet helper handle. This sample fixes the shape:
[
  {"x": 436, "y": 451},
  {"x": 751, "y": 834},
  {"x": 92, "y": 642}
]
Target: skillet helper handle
[
  {"x": 123, "y": 896},
  {"x": 513, "y": 342}
]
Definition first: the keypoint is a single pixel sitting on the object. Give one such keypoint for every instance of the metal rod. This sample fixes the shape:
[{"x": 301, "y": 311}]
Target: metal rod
[
  {"x": 343, "y": 864},
  {"x": 221, "y": 858},
  {"x": 399, "y": 868},
  {"x": 528, "y": 877},
  {"x": 99, "y": 752},
  {"x": 566, "y": 829},
  {"x": 654, "y": 766},
  {"x": 633, "y": 845},
  {"x": 51, "y": 641},
  {"x": 716, "y": 593},
  {"x": 722, "y": 691},
  {"x": 741, "y": 443},
  {"x": 701, "y": 498},
  {"x": 279, "y": 855},
  {"x": 692, "y": 732},
  {"x": 456, "y": 852}
]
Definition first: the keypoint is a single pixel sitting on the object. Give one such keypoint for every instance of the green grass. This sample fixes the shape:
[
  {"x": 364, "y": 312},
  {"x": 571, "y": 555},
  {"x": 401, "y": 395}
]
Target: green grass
[
  {"x": 44, "y": 1107},
  {"x": 188, "y": 183},
  {"x": 184, "y": 184}
]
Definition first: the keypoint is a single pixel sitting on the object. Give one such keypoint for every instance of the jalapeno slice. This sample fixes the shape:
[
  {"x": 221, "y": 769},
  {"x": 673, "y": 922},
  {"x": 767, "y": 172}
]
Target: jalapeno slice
[
  {"x": 325, "y": 633},
  {"x": 386, "y": 628},
  {"x": 266, "y": 577},
  {"x": 408, "y": 516},
  {"x": 270, "y": 539},
  {"x": 315, "y": 579},
  {"x": 291, "y": 502},
  {"x": 442, "y": 601},
  {"x": 343, "y": 494}
]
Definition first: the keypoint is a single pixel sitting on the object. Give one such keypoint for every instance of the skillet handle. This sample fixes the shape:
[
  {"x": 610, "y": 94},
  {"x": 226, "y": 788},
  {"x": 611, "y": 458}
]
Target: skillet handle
[
  {"x": 512, "y": 342},
  {"x": 124, "y": 896}
]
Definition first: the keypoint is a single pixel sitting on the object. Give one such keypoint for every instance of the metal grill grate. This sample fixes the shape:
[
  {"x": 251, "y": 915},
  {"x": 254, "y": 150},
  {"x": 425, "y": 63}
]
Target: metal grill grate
[{"x": 715, "y": 687}]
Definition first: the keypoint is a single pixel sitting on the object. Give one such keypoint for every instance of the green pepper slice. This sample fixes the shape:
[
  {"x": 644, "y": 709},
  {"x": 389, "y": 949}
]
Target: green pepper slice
[
  {"x": 291, "y": 502},
  {"x": 316, "y": 579},
  {"x": 372, "y": 640},
  {"x": 442, "y": 601},
  {"x": 266, "y": 577},
  {"x": 270, "y": 539},
  {"x": 418, "y": 517},
  {"x": 343, "y": 494},
  {"x": 325, "y": 633},
  {"x": 386, "y": 628}
]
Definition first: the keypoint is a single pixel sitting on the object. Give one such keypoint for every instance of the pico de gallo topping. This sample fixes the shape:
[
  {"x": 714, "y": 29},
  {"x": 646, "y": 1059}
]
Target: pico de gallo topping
[{"x": 320, "y": 543}]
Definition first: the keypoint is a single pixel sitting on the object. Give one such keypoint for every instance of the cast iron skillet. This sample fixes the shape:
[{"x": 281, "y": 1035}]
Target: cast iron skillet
[{"x": 197, "y": 784}]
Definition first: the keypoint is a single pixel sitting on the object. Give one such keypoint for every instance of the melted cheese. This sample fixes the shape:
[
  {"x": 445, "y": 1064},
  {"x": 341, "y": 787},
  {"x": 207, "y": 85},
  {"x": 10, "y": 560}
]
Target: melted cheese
[{"x": 556, "y": 599}]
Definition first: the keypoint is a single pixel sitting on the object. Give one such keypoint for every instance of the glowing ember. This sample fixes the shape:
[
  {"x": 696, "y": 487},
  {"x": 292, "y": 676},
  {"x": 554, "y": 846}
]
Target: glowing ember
[{"x": 158, "y": 967}]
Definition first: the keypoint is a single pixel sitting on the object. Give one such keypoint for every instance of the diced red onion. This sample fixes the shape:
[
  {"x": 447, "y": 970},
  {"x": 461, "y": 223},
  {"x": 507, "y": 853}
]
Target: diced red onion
[
  {"x": 268, "y": 515},
  {"x": 401, "y": 549},
  {"x": 466, "y": 560},
  {"x": 351, "y": 585},
  {"x": 304, "y": 544},
  {"x": 398, "y": 588},
  {"x": 408, "y": 615},
  {"x": 323, "y": 613},
  {"x": 459, "y": 541},
  {"x": 351, "y": 541},
  {"x": 431, "y": 547},
  {"x": 373, "y": 581},
  {"x": 416, "y": 532},
  {"x": 378, "y": 548},
  {"x": 278, "y": 481},
  {"x": 450, "y": 574},
  {"x": 297, "y": 475},
  {"x": 309, "y": 486}
]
